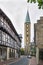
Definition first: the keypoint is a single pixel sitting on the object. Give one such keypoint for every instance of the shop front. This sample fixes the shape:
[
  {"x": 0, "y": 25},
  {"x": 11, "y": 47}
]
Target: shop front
[{"x": 3, "y": 53}]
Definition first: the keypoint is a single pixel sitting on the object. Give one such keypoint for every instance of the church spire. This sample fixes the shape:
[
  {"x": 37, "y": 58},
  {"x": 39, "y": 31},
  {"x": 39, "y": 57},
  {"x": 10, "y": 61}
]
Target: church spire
[{"x": 27, "y": 17}]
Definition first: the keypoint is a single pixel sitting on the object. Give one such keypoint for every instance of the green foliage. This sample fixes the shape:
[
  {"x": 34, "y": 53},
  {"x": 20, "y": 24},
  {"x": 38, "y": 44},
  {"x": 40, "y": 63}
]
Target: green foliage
[
  {"x": 40, "y": 3},
  {"x": 33, "y": 50},
  {"x": 22, "y": 51}
]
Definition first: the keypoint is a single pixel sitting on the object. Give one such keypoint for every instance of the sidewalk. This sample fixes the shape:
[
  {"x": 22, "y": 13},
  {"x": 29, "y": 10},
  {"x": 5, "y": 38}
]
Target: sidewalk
[
  {"x": 41, "y": 62},
  {"x": 32, "y": 61},
  {"x": 9, "y": 61}
]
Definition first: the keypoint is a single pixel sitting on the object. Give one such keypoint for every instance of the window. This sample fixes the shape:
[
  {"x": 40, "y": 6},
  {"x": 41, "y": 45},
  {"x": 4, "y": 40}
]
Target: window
[
  {"x": 1, "y": 23},
  {"x": 7, "y": 26},
  {"x": 4, "y": 42},
  {"x": 1, "y": 20},
  {"x": 6, "y": 38},
  {"x": 3, "y": 36},
  {"x": 0, "y": 35},
  {"x": 4, "y": 23},
  {"x": 27, "y": 25},
  {"x": 27, "y": 33},
  {"x": 27, "y": 29},
  {"x": 27, "y": 38},
  {"x": 13, "y": 43},
  {"x": 0, "y": 41}
]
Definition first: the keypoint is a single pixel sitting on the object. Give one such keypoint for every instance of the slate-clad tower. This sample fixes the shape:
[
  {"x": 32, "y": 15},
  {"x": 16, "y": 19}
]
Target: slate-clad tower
[{"x": 27, "y": 34}]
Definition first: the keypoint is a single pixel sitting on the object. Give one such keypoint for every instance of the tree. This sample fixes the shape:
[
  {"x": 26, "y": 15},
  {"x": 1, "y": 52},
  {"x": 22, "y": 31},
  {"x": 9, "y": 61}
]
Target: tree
[
  {"x": 22, "y": 51},
  {"x": 40, "y": 3}
]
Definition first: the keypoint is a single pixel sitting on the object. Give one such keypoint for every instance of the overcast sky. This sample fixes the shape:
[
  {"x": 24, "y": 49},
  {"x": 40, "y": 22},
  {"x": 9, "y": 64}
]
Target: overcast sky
[{"x": 16, "y": 10}]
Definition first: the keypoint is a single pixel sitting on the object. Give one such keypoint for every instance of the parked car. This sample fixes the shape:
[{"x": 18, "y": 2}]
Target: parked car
[{"x": 29, "y": 56}]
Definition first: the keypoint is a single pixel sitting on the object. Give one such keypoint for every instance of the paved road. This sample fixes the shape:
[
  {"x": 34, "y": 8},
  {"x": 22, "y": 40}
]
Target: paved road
[{"x": 22, "y": 61}]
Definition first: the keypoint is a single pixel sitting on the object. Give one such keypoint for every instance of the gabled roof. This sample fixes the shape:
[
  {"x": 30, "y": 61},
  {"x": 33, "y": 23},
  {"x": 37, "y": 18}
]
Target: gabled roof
[{"x": 27, "y": 17}]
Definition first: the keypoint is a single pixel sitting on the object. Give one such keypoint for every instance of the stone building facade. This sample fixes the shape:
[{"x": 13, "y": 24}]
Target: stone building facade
[
  {"x": 38, "y": 38},
  {"x": 10, "y": 42}
]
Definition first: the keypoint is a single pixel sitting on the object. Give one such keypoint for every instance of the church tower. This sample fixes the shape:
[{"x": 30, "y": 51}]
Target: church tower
[{"x": 27, "y": 34}]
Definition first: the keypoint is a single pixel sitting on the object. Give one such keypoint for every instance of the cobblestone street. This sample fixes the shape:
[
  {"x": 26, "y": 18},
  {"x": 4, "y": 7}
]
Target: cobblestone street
[{"x": 22, "y": 61}]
